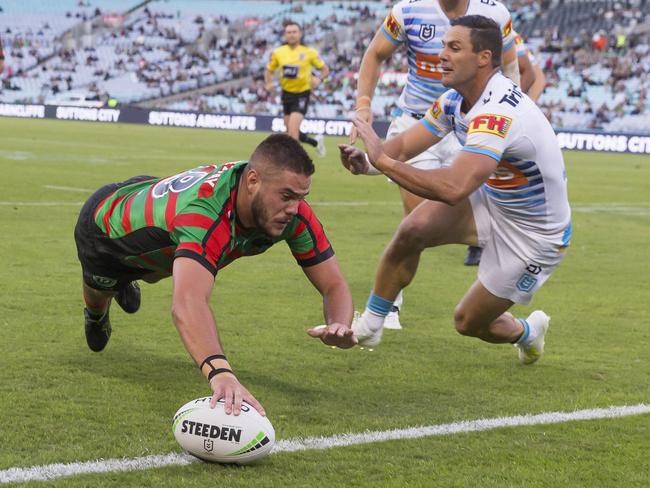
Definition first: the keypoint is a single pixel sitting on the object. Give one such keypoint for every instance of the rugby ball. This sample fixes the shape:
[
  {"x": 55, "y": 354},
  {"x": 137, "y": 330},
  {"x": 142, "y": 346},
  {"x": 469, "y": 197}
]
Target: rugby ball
[{"x": 211, "y": 435}]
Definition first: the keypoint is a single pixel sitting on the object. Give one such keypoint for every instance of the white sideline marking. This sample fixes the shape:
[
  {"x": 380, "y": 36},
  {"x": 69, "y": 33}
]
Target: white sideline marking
[
  {"x": 40, "y": 204},
  {"x": 60, "y": 470},
  {"x": 68, "y": 188}
]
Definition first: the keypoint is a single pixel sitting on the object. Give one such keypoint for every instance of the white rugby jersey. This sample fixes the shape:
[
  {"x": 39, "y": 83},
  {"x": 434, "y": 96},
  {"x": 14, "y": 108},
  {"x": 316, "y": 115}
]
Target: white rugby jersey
[
  {"x": 529, "y": 184},
  {"x": 421, "y": 24}
]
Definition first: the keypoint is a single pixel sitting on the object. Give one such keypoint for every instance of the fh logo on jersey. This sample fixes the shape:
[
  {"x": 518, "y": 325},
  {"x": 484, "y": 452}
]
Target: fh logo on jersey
[
  {"x": 497, "y": 125},
  {"x": 392, "y": 25},
  {"x": 427, "y": 32}
]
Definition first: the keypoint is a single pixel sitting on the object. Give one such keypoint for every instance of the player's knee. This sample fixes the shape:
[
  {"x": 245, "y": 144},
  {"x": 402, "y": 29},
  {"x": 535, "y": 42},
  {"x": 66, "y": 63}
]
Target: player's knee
[
  {"x": 464, "y": 323},
  {"x": 410, "y": 236}
]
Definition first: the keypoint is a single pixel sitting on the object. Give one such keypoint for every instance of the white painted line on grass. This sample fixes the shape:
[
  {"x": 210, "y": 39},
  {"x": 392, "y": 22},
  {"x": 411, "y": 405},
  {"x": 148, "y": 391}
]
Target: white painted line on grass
[
  {"x": 40, "y": 204},
  {"x": 68, "y": 188},
  {"x": 61, "y": 470}
]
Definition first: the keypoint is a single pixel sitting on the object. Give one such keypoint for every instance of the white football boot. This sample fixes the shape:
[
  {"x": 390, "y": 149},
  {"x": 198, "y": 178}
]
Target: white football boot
[
  {"x": 392, "y": 319},
  {"x": 320, "y": 147},
  {"x": 362, "y": 331},
  {"x": 532, "y": 350}
]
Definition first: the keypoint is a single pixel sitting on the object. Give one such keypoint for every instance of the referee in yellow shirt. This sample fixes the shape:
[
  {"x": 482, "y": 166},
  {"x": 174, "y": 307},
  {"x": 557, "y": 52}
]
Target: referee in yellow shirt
[{"x": 295, "y": 62}]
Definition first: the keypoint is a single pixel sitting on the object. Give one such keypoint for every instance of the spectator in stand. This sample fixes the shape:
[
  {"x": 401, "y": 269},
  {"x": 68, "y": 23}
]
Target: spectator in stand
[{"x": 2, "y": 57}]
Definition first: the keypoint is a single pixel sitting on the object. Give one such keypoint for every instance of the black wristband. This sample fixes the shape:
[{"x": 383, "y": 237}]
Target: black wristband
[
  {"x": 210, "y": 358},
  {"x": 217, "y": 371}
]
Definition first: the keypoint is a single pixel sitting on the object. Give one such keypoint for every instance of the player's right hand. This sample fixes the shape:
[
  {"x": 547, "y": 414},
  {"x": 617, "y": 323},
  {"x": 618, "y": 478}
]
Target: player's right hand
[
  {"x": 354, "y": 159},
  {"x": 269, "y": 87},
  {"x": 363, "y": 113},
  {"x": 228, "y": 387}
]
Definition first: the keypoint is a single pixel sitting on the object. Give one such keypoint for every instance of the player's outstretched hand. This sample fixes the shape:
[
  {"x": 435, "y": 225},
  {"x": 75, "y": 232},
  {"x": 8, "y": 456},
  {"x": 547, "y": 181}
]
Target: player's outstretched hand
[
  {"x": 354, "y": 159},
  {"x": 364, "y": 113},
  {"x": 226, "y": 386},
  {"x": 339, "y": 335},
  {"x": 371, "y": 140}
]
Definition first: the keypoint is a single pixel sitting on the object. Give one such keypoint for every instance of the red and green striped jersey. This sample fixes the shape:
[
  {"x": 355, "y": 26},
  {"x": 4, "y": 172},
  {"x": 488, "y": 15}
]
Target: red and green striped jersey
[{"x": 193, "y": 214}]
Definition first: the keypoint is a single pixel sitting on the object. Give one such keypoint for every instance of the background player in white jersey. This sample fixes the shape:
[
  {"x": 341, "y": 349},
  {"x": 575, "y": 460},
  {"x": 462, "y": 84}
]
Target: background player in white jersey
[
  {"x": 420, "y": 25},
  {"x": 533, "y": 80},
  {"x": 505, "y": 190}
]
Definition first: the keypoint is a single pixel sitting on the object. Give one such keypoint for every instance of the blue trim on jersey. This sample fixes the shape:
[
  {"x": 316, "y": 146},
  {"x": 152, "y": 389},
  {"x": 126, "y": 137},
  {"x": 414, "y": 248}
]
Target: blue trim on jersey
[
  {"x": 418, "y": 9},
  {"x": 480, "y": 150},
  {"x": 389, "y": 36},
  {"x": 514, "y": 193},
  {"x": 521, "y": 165},
  {"x": 568, "y": 233},
  {"x": 432, "y": 128},
  {"x": 507, "y": 46}
]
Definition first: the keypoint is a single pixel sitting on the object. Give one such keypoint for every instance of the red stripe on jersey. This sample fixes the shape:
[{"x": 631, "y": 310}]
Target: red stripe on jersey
[
  {"x": 219, "y": 237},
  {"x": 108, "y": 214},
  {"x": 299, "y": 228},
  {"x": 148, "y": 208},
  {"x": 126, "y": 216},
  {"x": 101, "y": 204},
  {"x": 170, "y": 209},
  {"x": 321, "y": 243},
  {"x": 190, "y": 246},
  {"x": 191, "y": 220},
  {"x": 305, "y": 255}
]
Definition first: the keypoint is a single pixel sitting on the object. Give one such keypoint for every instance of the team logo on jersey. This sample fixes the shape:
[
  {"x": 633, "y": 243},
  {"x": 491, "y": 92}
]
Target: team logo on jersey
[
  {"x": 427, "y": 32},
  {"x": 392, "y": 25},
  {"x": 507, "y": 29},
  {"x": 436, "y": 111},
  {"x": 301, "y": 56},
  {"x": 526, "y": 283},
  {"x": 497, "y": 125},
  {"x": 104, "y": 282}
]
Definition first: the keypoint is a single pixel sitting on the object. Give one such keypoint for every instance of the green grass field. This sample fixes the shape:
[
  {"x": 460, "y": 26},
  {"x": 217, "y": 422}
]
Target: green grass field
[{"x": 61, "y": 403}]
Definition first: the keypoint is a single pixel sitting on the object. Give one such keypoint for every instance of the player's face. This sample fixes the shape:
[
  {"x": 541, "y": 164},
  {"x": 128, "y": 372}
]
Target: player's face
[
  {"x": 276, "y": 200},
  {"x": 292, "y": 34},
  {"x": 459, "y": 62}
]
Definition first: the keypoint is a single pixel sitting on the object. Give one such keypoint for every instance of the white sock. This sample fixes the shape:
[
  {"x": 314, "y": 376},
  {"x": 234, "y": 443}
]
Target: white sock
[
  {"x": 398, "y": 300},
  {"x": 374, "y": 321}
]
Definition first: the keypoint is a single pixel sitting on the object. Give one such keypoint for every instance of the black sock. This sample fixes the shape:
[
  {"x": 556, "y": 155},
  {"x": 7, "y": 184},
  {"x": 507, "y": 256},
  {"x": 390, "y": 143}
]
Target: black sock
[
  {"x": 309, "y": 140},
  {"x": 96, "y": 316}
]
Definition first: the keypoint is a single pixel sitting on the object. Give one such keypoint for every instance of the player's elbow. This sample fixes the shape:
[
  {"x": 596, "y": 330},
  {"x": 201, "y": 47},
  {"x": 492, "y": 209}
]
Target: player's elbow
[{"x": 452, "y": 195}]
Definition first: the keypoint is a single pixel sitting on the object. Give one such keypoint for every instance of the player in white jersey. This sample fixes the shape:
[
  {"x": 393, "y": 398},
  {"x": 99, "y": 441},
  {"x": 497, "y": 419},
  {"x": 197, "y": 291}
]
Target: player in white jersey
[
  {"x": 533, "y": 80},
  {"x": 420, "y": 26},
  {"x": 505, "y": 190}
]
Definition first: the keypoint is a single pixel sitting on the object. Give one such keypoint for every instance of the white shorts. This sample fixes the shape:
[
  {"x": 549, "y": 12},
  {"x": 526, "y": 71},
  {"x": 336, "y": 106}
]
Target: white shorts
[
  {"x": 437, "y": 156},
  {"x": 515, "y": 262}
]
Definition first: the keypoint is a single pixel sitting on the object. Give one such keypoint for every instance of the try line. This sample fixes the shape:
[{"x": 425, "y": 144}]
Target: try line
[{"x": 60, "y": 470}]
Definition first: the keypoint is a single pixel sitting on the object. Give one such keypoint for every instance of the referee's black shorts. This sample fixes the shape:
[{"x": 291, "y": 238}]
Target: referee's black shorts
[{"x": 295, "y": 102}]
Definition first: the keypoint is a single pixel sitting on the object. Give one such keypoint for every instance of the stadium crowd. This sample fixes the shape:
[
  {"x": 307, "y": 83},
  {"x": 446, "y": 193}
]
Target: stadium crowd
[{"x": 595, "y": 57}]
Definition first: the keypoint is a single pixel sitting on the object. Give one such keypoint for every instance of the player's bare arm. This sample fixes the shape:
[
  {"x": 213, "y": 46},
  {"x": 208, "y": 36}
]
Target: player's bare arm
[
  {"x": 268, "y": 79},
  {"x": 337, "y": 304},
  {"x": 379, "y": 50},
  {"x": 510, "y": 64},
  {"x": 449, "y": 185},
  {"x": 192, "y": 286},
  {"x": 526, "y": 72}
]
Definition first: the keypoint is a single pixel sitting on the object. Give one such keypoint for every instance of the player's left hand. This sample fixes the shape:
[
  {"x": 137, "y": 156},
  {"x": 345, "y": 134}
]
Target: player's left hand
[
  {"x": 315, "y": 82},
  {"x": 339, "y": 335},
  {"x": 371, "y": 140}
]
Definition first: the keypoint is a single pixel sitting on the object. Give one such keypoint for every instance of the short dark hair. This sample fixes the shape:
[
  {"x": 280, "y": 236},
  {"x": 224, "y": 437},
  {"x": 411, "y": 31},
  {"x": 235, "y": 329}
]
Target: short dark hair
[
  {"x": 282, "y": 151},
  {"x": 289, "y": 22},
  {"x": 485, "y": 34}
]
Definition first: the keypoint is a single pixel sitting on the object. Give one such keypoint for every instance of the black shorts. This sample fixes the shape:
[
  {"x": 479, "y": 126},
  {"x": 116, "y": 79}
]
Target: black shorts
[
  {"x": 295, "y": 102},
  {"x": 100, "y": 264}
]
